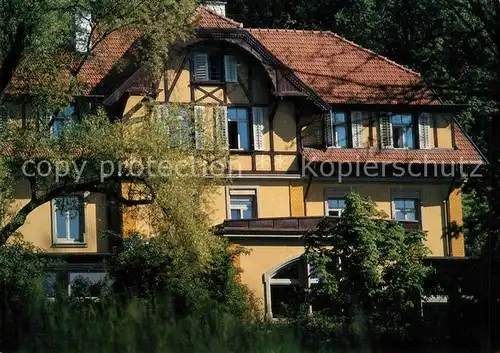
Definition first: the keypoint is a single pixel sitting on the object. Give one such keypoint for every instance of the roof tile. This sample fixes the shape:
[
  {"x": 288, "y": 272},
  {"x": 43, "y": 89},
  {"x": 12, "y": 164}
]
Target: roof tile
[{"x": 343, "y": 72}]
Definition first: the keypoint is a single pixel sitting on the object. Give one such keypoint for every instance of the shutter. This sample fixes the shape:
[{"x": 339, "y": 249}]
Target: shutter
[
  {"x": 258, "y": 128},
  {"x": 357, "y": 129},
  {"x": 199, "y": 120},
  {"x": 221, "y": 124},
  {"x": 200, "y": 64},
  {"x": 385, "y": 130},
  {"x": 424, "y": 131},
  {"x": 230, "y": 68},
  {"x": 83, "y": 32},
  {"x": 328, "y": 118}
]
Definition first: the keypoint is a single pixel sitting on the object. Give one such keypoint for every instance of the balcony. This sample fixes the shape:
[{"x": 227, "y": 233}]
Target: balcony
[{"x": 287, "y": 227}]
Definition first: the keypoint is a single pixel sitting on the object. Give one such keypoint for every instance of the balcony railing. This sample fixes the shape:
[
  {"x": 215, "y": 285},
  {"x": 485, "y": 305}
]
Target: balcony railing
[{"x": 285, "y": 226}]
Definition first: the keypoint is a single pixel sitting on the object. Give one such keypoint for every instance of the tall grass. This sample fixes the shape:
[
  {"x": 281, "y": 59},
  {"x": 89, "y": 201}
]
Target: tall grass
[{"x": 146, "y": 326}]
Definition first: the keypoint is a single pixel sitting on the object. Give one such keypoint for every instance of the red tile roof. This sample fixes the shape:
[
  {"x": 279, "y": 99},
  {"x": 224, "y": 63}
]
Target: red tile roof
[
  {"x": 340, "y": 71},
  {"x": 465, "y": 153},
  {"x": 207, "y": 18}
]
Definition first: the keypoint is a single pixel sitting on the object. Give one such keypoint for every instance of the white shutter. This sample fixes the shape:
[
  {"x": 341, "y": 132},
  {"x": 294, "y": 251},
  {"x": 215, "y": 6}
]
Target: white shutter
[
  {"x": 357, "y": 129},
  {"x": 83, "y": 32},
  {"x": 200, "y": 65},
  {"x": 230, "y": 68},
  {"x": 258, "y": 128},
  {"x": 199, "y": 120},
  {"x": 328, "y": 118},
  {"x": 424, "y": 131},
  {"x": 221, "y": 124},
  {"x": 385, "y": 130}
]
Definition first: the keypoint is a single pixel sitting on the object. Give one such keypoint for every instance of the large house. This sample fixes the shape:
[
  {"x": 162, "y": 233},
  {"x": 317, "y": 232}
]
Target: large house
[{"x": 309, "y": 116}]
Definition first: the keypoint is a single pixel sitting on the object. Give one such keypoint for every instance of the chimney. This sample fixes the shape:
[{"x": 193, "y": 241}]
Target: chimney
[{"x": 217, "y": 6}]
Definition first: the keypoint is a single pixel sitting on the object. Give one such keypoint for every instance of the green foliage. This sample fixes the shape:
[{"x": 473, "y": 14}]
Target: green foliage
[
  {"x": 368, "y": 268},
  {"x": 21, "y": 280},
  {"x": 151, "y": 268}
]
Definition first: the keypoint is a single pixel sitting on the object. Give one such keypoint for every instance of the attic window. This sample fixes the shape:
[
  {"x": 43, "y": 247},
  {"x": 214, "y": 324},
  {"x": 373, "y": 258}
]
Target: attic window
[{"x": 211, "y": 67}]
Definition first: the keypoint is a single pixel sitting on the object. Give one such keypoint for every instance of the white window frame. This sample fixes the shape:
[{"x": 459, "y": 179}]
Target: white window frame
[
  {"x": 239, "y": 121},
  {"x": 82, "y": 240},
  {"x": 408, "y": 194},
  {"x": 242, "y": 191},
  {"x": 412, "y": 130},
  {"x": 337, "y": 209},
  {"x": 304, "y": 278},
  {"x": 334, "y": 193},
  {"x": 415, "y": 209},
  {"x": 333, "y": 132}
]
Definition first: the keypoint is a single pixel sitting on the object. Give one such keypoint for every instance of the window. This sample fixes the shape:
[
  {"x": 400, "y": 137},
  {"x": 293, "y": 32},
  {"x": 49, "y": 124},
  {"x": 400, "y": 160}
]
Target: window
[
  {"x": 242, "y": 203},
  {"x": 87, "y": 284},
  {"x": 62, "y": 119},
  {"x": 285, "y": 288},
  {"x": 405, "y": 210},
  {"x": 242, "y": 207},
  {"x": 214, "y": 67},
  {"x": 237, "y": 127},
  {"x": 336, "y": 130},
  {"x": 335, "y": 207},
  {"x": 180, "y": 132},
  {"x": 402, "y": 131},
  {"x": 68, "y": 214}
]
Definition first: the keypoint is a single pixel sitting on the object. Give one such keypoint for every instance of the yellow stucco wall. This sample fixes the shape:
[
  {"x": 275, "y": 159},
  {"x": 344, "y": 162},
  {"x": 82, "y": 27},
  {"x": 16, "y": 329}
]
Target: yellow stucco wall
[
  {"x": 285, "y": 127},
  {"x": 38, "y": 226},
  {"x": 432, "y": 202},
  {"x": 264, "y": 255}
]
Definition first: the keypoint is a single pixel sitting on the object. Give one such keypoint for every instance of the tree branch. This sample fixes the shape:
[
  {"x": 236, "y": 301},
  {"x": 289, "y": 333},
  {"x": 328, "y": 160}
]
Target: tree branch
[{"x": 95, "y": 186}]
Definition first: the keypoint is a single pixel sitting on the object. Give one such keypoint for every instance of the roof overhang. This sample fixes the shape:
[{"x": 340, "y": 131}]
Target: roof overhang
[{"x": 283, "y": 227}]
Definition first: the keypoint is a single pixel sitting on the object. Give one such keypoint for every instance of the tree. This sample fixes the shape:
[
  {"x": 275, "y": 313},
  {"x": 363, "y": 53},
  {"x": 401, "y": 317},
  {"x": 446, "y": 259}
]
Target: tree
[
  {"x": 134, "y": 163},
  {"x": 368, "y": 267}
]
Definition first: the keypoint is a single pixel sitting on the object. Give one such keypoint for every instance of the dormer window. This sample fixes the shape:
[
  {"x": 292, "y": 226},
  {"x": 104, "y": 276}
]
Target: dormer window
[
  {"x": 336, "y": 130},
  {"x": 214, "y": 67},
  {"x": 402, "y": 131}
]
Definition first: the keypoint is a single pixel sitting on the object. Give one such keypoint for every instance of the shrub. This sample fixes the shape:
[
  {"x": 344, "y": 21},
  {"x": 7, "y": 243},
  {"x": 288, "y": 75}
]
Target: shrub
[{"x": 21, "y": 289}]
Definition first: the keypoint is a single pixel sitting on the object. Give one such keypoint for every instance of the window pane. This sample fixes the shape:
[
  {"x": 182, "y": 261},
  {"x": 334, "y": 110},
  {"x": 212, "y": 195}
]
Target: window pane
[
  {"x": 400, "y": 204},
  {"x": 396, "y": 120},
  {"x": 400, "y": 216},
  {"x": 243, "y": 132},
  {"x": 290, "y": 271},
  {"x": 410, "y": 204},
  {"x": 339, "y": 118},
  {"x": 406, "y": 119},
  {"x": 342, "y": 203},
  {"x": 235, "y": 214},
  {"x": 409, "y": 138},
  {"x": 398, "y": 136},
  {"x": 341, "y": 136},
  {"x": 410, "y": 216},
  {"x": 233, "y": 135},
  {"x": 87, "y": 284},
  {"x": 285, "y": 301},
  {"x": 215, "y": 67},
  {"x": 74, "y": 225},
  {"x": 248, "y": 213},
  {"x": 61, "y": 224},
  {"x": 333, "y": 203}
]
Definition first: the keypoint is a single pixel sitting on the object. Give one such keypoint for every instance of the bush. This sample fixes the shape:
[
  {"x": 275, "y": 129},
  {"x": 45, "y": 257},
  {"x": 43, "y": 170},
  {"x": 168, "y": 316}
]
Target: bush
[
  {"x": 143, "y": 267},
  {"x": 21, "y": 289}
]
